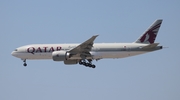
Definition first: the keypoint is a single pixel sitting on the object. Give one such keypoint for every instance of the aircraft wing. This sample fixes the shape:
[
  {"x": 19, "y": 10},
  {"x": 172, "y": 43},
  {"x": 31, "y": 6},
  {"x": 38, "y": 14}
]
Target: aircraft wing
[{"x": 84, "y": 48}]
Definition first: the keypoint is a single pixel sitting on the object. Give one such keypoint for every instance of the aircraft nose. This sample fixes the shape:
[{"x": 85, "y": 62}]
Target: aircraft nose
[{"x": 12, "y": 53}]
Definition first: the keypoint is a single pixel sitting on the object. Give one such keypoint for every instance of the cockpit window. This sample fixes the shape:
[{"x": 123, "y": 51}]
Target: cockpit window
[{"x": 15, "y": 50}]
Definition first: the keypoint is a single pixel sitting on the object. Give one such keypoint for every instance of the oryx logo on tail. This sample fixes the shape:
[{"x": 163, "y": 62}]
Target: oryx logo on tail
[{"x": 150, "y": 35}]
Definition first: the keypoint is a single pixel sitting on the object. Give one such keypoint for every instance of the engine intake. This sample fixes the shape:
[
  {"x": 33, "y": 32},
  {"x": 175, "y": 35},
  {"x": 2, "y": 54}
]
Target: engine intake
[{"x": 60, "y": 55}]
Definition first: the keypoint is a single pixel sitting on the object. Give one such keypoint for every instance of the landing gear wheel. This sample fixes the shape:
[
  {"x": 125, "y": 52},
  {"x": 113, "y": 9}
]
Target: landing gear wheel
[
  {"x": 25, "y": 64},
  {"x": 80, "y": 62},
  {"x": 86, "y": 64},
  {"x": 90, "y": 65},
  {"x": 93, "y": 66}
]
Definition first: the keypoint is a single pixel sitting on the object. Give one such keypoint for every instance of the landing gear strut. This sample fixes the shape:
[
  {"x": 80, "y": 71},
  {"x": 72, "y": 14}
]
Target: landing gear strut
[
  {"x": 89, "y": 64},
  {"x": 24, "y": 62}
]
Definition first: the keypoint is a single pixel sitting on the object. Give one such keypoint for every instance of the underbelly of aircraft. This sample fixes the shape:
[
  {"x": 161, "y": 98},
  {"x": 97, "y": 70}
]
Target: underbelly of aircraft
[
  {"x": 95, "y": 55},
  {"x": 99, "y": 55}
]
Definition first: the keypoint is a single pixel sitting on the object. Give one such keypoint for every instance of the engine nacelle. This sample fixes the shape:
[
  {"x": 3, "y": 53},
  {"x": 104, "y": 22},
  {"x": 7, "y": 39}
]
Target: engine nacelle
[{"x": 60, "y": 55}]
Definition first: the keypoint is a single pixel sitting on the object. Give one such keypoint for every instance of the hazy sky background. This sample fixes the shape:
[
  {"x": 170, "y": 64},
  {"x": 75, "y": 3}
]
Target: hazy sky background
[{"x": 152, "y": 76}]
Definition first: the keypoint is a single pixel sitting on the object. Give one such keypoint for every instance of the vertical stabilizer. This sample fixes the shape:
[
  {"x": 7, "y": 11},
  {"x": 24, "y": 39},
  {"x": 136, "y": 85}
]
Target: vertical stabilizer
[{"x": 150, "y": 35}]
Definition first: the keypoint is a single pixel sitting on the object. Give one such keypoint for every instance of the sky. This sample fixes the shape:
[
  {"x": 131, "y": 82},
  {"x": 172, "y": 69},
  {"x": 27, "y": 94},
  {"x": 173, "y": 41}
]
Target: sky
[{"x": 151, "y": 76}]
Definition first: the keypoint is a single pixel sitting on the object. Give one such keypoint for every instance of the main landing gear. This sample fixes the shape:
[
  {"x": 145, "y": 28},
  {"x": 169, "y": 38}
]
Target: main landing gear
[
  {"x": 24, "y": 63},
  {"x": 87, "y": 64}
]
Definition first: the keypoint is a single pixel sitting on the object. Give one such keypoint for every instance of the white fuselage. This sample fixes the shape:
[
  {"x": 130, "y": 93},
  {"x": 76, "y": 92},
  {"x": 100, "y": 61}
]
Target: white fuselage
[
  {"x": 84, "y": 53},
  {"x": 98, "y": 51}
]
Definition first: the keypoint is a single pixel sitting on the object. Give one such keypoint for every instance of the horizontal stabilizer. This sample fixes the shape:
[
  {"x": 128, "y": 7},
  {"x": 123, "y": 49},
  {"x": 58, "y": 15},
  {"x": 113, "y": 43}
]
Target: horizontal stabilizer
[{"x": 150, "y": 46}]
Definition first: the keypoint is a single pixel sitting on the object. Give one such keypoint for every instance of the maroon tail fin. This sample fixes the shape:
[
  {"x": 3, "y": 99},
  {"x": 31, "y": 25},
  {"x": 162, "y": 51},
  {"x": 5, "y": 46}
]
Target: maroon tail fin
[{"x": 150, "y": 35}]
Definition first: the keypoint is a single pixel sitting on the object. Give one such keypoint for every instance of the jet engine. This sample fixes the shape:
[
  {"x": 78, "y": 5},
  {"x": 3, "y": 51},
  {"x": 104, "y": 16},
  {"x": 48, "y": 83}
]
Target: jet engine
[{"x": 60, "y": 55}]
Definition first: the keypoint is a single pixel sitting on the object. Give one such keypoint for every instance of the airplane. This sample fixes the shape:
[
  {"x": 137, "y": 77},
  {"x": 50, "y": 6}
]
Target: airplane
[{"x": 84, "y": 53}]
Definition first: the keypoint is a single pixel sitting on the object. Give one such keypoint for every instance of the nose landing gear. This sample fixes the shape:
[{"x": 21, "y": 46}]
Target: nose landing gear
[{"x": 24, "y": 63}]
